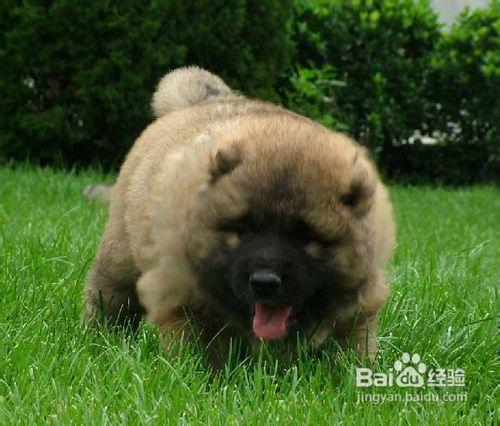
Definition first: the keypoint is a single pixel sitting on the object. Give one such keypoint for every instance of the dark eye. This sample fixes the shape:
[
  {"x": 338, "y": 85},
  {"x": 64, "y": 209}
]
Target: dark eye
[
  {"x": 305, "y": 232},
  {"x": 242, "y": 225},
  {"x": 307, "y": 235}
]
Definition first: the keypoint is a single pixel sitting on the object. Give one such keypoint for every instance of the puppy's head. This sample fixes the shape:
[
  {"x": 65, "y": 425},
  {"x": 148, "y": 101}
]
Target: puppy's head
[{"x": 286, "y": 239}]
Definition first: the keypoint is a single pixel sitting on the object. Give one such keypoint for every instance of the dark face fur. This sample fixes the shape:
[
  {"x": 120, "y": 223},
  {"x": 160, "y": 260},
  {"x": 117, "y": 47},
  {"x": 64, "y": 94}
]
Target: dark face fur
[{"x": 273, "y": 279}]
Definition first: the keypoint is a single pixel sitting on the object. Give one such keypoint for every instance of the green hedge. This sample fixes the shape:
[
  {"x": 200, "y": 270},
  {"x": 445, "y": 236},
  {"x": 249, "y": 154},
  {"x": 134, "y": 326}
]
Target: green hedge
[
  {"x": 77, "y": 77},
  {"x": 465, "y": 89},
  {"x": 382, "y": 69},
  {"x": 379, "y": 50}
]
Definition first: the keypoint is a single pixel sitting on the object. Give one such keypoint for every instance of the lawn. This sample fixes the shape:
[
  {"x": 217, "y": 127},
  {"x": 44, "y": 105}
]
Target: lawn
[{"x": 54, "y": 370}]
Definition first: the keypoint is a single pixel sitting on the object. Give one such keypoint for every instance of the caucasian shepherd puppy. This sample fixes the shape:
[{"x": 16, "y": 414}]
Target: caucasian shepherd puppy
[{"x": 240, "y": 215}]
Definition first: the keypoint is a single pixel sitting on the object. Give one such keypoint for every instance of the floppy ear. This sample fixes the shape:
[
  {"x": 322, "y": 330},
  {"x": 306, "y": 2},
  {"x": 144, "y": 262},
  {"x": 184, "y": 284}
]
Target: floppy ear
[
  {"x": 359, "y": 197},
  {"x": 224, "y": 161}
]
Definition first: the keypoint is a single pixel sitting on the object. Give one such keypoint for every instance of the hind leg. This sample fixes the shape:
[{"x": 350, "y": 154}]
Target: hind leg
[{"x": 110, "y": 294}]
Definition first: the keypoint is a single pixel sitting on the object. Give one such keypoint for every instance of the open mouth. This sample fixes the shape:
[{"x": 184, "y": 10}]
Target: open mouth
[{"x": 270, "y": 322}]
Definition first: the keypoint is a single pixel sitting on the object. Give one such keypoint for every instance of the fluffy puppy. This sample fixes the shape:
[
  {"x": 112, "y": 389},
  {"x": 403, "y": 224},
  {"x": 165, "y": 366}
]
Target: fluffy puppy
[{"x": 243, "y": 216}]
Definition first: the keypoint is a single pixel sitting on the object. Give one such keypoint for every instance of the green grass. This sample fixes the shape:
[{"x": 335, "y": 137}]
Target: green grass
[{"x": 53, "y": 370}]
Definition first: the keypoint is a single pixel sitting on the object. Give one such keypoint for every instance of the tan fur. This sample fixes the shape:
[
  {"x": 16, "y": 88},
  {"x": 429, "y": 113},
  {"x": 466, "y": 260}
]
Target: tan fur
[
  {"x": 214, "y": 154},
  {"x": 185, "y": 87},
  {"x": 99, "y": 191}
]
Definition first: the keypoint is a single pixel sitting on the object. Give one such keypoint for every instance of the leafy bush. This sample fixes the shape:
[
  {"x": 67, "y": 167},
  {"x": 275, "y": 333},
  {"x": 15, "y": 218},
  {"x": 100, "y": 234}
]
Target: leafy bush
[
  {"x": 383, "y": 69},
  {"x": 76, "y": 77},
  {"x": 380, "y": 50},
  {"x": 465, "y": 90},
  {"x": 312, "y": 93}
]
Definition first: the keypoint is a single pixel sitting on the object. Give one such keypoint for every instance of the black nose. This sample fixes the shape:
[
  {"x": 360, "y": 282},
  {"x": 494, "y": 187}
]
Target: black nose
[{"x": 265, "y": 281}]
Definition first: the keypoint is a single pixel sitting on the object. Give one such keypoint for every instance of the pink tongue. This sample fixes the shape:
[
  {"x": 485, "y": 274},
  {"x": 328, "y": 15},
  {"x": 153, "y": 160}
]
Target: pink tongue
[{"x": 270, "y": 322}]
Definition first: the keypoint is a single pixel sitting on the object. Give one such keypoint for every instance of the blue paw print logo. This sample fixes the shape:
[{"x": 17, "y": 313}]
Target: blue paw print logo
[{"x": 410, "y": 371}]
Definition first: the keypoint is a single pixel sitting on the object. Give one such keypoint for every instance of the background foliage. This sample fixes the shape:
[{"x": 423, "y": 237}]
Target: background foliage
[
  {"x": 465, "y": 92},
  {"x": 380, "y": 51},
  {"x": 76, "y": 78}
]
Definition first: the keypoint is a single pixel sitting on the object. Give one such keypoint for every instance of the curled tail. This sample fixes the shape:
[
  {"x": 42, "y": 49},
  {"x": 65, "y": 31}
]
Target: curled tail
[{"x": 187, "y": 86}]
